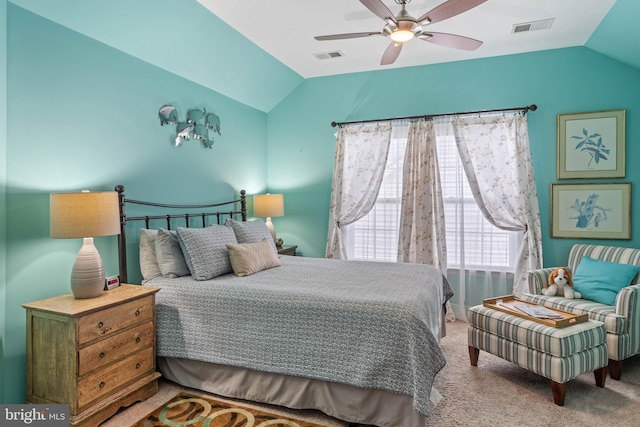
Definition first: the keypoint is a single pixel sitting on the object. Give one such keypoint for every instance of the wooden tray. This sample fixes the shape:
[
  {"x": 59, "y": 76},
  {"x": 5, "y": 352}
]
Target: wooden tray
[{"x": 503, "y": 304}]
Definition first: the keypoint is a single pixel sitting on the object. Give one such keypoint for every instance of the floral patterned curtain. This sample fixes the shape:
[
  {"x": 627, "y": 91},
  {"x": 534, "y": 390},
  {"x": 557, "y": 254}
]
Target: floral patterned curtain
[
  {"x": 361, "y": 154},
  {"x": 422, "y": 237},
  {"x": 503, "y": 185}
]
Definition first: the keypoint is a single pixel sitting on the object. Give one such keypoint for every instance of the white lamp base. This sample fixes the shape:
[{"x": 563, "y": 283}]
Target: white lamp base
[
  {"x": 87, "y": 274},
  {"x": 272, "y": 230}
]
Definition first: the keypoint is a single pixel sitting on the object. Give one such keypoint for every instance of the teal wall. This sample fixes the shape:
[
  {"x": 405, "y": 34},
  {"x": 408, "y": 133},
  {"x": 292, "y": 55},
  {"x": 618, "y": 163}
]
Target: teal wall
[
  {"x": 617, "y": 34},
  {"x": 85, "y": 115},
  {"x": 3, "y": 179},
  {"x": 302, "y": 142},
  {"x": 182, "y": 37}
]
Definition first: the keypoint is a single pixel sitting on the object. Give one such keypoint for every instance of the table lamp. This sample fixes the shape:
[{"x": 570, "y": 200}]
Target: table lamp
[
  {"x": 267, "y": 206},
  {"x": 85, "y": 215}
]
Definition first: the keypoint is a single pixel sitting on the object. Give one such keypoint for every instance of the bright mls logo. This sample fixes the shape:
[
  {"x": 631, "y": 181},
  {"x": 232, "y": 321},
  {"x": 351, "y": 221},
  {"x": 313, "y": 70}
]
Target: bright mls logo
[{"x": 36, "y": 415}]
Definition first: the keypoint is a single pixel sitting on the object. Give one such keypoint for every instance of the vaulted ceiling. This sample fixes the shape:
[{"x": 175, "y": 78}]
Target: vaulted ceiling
[
  {"x": 258, "y": 51},
  {"x": 286, "y": 30}
]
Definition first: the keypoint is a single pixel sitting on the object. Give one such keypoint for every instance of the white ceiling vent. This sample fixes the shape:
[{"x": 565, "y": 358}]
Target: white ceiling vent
[
  {"x": 329, "y": 55},
  {"x": 525, "y": 27}
]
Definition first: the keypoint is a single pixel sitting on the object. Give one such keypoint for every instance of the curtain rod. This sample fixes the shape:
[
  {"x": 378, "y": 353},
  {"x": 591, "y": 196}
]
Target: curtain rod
[{"x": 532, "y": 107}]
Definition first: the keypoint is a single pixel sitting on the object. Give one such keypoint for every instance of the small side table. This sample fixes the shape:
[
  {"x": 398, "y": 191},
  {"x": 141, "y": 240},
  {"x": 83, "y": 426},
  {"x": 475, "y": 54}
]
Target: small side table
[
  {"x": 95, "y": 354},
  {"x": 288, "y": 250}
]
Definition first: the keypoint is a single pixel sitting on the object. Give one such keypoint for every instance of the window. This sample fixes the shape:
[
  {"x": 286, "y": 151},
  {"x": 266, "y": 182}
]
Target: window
[
  {"x": 375, "y": 236},
  {"x": 472, "y": 242}
]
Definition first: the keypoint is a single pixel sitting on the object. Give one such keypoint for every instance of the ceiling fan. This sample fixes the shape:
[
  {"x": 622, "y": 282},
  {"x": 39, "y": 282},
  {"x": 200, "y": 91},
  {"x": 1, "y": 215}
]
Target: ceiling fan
[{"x": 403, "y": 27}]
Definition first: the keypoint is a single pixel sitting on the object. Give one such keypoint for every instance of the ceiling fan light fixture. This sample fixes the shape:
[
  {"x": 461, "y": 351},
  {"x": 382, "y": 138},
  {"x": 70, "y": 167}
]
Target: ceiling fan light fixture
[
  {"x": 400, "y": 36},
  {"x": 403, "y": 27}
]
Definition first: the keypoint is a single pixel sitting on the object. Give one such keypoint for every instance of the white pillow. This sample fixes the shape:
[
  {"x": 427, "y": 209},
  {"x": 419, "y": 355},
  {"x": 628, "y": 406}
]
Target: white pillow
[
  {"x": 205, "y": 250},
  {"x": 249, "y": 258},
  {"x": 148, "y": 262},
  {"x": 251, "y": 232},
  {"x": 169, "y": 254}
]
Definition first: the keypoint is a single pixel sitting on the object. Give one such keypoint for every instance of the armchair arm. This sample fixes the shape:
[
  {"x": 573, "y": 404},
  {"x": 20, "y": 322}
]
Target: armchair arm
[
  {"x": 628, "y": 302},
  {"x": 628, "y": 305},
  {"x": 539, "y": 279}
]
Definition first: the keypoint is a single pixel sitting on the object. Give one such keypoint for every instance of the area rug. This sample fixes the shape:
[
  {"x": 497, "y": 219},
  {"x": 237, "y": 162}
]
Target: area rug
[{"x": 190, "y": 410}]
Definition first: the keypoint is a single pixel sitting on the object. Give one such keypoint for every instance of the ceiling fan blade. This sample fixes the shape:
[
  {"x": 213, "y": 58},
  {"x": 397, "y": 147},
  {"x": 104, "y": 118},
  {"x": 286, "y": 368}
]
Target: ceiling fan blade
[
  {"x": 391, "y": 53},
  {"x": 379, "y": 8},
  {"x": 346, "y": 36},
  {"x": 450, "y": 40},
  {"x": 449, "y": 9}
]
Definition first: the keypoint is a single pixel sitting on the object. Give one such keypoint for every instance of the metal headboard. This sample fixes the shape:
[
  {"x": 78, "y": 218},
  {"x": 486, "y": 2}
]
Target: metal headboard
[{"x": 188, "y": 217}]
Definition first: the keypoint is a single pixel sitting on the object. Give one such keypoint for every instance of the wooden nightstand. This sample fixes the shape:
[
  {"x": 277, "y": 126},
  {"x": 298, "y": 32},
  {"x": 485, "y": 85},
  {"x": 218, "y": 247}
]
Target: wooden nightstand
[
  {"x": 288, "y": 250},
  {"x": 95, "y": 354}
]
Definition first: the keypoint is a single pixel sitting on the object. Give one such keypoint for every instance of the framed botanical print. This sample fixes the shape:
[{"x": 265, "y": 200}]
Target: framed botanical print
[
  {"x": 591, "y": 211},
  {"x": 591, "y": 145}
]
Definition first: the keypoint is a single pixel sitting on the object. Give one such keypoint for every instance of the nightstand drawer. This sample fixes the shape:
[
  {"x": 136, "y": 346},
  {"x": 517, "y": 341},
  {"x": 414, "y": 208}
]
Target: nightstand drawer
[
  {"x": 116, "y": 347},
  {"x": 110, "y": 378},
  {"x": 114, "y": 319}
]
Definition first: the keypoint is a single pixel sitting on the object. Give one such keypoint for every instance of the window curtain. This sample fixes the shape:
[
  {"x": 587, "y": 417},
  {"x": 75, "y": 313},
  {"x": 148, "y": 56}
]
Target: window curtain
[
  {"x": 503, "y": 185},
  {"x": 361, "y": 155},
  {"x": 422, "y": 234},
  {"x": 422, "y": 230}
]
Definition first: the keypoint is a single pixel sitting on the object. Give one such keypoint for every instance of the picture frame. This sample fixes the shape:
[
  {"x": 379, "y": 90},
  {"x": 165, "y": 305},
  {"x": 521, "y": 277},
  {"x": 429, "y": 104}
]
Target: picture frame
[
  {"x": 591, "y": 145},
  {"x": 591, "y": 211}
]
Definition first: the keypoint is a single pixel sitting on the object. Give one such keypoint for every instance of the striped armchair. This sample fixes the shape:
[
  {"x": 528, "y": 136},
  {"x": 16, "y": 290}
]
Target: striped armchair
[{"x": 622, "y": 321}]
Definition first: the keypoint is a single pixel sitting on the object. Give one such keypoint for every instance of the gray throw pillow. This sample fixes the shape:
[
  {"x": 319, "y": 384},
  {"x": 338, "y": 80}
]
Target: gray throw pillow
[
  {"x": 251, "y": 232},
  {"x": 169, "y": 254},
  {"x": 205, "y": 250}
]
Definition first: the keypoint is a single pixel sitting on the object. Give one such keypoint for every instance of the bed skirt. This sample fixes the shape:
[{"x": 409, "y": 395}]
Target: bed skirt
[{"x": 345, "y": 402}]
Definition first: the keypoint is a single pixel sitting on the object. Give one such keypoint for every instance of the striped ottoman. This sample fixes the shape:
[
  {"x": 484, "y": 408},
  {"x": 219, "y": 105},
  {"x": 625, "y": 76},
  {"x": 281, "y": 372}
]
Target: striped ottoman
[{"x": 559, "y": 354}]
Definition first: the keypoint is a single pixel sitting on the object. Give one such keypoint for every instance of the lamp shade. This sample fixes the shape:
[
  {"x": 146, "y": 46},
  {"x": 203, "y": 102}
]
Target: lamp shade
[
  {"x": 84, "y": 214},
  {"x": 268, "y": 205}
]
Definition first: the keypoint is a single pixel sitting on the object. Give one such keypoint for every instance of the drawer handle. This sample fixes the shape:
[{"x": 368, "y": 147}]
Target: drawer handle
[
  {"x": 102, "y": 355},
  {"x": 102, "y": 384},
  {"x": 100, "y": 324},
  {"x": 138, "y": 312},
  {"x": 137, "y": 365},
  {"x": 137, "y": 340}
]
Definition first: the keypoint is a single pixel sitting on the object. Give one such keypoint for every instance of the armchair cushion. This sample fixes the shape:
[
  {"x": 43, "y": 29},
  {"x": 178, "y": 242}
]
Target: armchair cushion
[{"x": 601, "y": 281}]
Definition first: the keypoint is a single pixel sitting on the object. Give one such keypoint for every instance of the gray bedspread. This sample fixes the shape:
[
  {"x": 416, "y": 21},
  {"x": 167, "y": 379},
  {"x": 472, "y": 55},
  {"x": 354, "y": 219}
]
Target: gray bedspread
[{"x": 371, "y": 325}]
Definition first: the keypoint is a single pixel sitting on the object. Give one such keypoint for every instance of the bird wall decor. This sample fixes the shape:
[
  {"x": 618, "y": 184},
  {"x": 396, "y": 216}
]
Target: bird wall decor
[{"x": 197, "y": 125}]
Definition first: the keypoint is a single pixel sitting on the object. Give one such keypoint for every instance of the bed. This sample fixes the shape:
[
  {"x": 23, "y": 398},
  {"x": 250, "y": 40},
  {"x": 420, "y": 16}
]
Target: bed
[{"x": 356, "y": 340}]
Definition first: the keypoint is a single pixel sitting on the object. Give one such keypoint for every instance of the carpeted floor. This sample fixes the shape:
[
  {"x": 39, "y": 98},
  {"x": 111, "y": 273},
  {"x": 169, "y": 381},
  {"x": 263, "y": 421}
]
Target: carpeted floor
[
  {"x": 495, "y": 393},
  {"x": 498, "y": 393}
]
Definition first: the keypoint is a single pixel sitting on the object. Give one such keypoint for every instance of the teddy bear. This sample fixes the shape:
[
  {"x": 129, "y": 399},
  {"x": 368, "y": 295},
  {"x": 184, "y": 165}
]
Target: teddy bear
[{"x": 560, "y": 284}]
